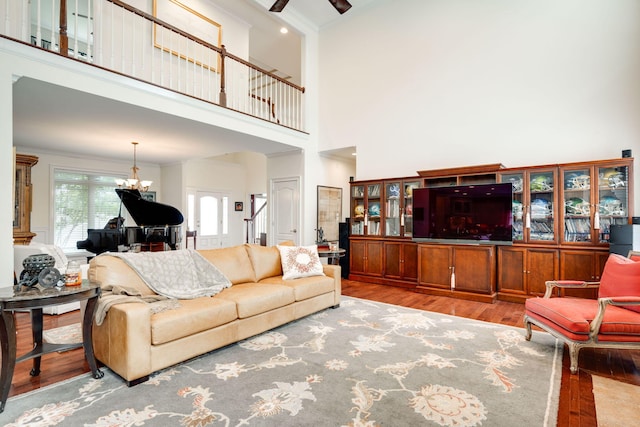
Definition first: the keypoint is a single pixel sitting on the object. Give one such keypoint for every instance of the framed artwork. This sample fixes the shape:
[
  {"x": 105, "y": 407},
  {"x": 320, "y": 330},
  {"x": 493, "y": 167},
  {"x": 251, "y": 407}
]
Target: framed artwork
[
  {"x": 329, "y": 212},
  {"x": 192, "y": 22},
  {"x": 239, "y": 206},
  {"x": 148, "y": 195}
]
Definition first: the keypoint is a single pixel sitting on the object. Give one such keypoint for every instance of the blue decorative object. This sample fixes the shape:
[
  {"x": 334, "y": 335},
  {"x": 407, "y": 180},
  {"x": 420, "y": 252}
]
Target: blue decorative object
[{"x": 374, "y": 209}]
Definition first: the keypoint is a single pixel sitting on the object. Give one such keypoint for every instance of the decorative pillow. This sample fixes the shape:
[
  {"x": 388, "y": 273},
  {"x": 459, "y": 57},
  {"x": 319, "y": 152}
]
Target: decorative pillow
[
  {"x": 620, "y": 278},
  {"x": 300, "y": 261}
]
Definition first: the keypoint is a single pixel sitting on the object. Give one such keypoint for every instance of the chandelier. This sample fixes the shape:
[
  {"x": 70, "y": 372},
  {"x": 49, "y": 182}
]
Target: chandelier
[{"x": 134, "y": 183}]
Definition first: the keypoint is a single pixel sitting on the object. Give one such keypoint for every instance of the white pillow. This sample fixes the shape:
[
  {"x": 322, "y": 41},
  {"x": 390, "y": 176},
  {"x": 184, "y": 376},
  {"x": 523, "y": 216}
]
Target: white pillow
[
  {"x": 300, "y": 261},
  {"x": 55, "y": 251}
]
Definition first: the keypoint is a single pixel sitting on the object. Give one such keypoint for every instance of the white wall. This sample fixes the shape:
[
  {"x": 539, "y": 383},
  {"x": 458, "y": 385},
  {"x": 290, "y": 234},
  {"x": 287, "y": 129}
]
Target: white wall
[{"x": 428, "y": 84}]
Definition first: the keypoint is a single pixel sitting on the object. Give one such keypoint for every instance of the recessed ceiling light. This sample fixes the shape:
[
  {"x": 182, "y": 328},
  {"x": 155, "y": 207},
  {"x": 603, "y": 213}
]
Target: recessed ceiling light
[
  {"x": 284, "y": 30},
  {"x": 354, "y": 154}
]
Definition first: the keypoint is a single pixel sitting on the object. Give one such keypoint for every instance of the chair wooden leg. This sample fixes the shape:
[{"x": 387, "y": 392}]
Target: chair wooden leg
[
  {"x": 574, "y": 349},
  {"x": 527, "y": 326}
]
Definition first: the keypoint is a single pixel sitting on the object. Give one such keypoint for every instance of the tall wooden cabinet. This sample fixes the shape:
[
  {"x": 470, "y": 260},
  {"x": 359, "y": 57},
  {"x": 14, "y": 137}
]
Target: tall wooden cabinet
[
  {"x": 22, "y": 234},
  {"x": 562, "y": 215}
]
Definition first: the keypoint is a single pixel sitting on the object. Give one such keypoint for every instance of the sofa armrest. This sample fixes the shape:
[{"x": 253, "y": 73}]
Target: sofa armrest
[
  {"x": 335, "y": 272},
  {"x": 568, "y": 284},
  {"x": 123, "y": 340}
]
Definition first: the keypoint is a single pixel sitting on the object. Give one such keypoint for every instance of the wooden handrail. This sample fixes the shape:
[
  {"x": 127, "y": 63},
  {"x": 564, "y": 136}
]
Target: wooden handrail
[{"x": 221, "y": 50}]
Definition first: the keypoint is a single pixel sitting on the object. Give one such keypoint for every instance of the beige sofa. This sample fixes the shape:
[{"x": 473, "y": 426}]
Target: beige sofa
[{"x": 134, "y": 342}]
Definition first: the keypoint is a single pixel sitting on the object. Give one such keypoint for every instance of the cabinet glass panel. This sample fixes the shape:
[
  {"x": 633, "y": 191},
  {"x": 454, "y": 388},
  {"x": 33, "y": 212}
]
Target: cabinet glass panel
[
  {"x": 407, "y": 218},
  {"x": 441, "y": 182},
  {"x": 517, "y": 181},
  {"x": 577, "y": 205},
  {"x": 613, "y": 199},
  {"x": 357, "y": 210},
  {"x": 373, "y": 210},
  {"x": 392, "y": 208},
  {"x": 541, "y": 209}
]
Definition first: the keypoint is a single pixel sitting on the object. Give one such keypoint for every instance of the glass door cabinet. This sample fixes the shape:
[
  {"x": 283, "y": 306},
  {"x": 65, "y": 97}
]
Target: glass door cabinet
[
  {"x": 612, "y": 199},
  {"x": 533, "y": 205},
  {"x": 357, "y": 209}
]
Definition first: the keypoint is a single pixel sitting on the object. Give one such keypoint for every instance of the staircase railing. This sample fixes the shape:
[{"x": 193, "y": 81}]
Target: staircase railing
[
  {"x": 115, "y": 36},
  {"x": 257, "y": 226}
]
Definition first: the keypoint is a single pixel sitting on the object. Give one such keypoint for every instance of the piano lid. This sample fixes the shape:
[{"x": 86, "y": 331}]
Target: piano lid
[{"x": 146, "y": 212}]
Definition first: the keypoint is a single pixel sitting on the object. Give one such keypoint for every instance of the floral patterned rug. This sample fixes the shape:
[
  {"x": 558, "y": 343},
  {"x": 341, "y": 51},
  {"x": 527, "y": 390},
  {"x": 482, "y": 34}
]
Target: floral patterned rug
[{"x": 363, "y": 364}]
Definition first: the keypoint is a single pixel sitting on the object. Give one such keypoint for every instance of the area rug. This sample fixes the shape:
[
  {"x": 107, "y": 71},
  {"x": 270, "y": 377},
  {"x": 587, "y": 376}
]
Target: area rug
[
  {"x": 362, "y": 364},
  {"x": 64, "y": 334},
  {"x": 616, "y": 402}
]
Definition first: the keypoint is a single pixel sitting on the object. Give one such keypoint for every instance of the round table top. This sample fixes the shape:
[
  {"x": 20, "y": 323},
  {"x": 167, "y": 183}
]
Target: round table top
[
  {"x": 10, "y": 294},
  {"x": 328, "y": 252}
]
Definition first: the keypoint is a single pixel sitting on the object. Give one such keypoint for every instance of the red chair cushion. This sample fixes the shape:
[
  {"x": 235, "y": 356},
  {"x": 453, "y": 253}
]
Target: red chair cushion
[
  {"x": 572, "y": 317},
  {"x": 621, "y": 277}
]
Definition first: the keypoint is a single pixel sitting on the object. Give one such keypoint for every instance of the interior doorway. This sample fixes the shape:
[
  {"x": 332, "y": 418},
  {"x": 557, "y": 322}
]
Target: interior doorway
[{"x": 285, "y": 210}]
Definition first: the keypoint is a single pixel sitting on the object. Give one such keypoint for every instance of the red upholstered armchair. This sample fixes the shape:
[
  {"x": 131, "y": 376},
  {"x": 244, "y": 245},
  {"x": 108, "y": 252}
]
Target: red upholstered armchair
[{"x": 611, "y": 321}]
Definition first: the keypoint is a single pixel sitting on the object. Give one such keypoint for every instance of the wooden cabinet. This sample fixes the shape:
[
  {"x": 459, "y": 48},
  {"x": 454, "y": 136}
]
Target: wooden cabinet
[
  {"x": 366, "y": 258},
  {"x": 398, "y": 207},
  {"x": 466, "y": 271},
  {"x": 534, "y": 204},
  {"x": 561, "y": 217},
  {"x": 595, "y": 197},
  {"x": 401, "y": 262},
  {"x": 522, "y": 271},
  {"x": 582, "y": 265},
  {"x": 22, "y": 234}
]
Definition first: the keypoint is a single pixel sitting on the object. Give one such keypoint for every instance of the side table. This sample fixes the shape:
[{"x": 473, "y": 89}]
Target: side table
[
  {"x": 34, "y": 300},
  {"x": 333, "y": 257}
]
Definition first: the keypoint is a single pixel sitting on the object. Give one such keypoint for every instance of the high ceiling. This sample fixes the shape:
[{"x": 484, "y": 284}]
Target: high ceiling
[{"x": 93, "y": 126}]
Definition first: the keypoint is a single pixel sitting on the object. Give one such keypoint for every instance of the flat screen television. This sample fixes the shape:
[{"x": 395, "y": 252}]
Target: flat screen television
[{"x": 464, "y": 214}]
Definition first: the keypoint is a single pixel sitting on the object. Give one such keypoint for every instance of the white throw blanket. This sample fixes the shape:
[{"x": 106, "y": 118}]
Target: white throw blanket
[{"x": 182, "y": 274}]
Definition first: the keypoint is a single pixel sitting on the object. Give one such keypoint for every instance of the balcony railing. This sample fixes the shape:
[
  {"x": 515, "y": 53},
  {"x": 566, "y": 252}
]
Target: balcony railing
[{"x": 115, "y": 36}]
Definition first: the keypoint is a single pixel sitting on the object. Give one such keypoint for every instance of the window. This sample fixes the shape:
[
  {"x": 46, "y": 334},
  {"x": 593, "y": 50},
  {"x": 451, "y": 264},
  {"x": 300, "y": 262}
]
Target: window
[{"x": 82, "y": 200}]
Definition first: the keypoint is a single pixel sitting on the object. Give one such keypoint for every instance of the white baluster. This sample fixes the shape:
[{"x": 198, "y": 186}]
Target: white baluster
[
  {"x": 39, "y": 23},
  {"x": 76, "y": 49},
  {"x": 89, "y": 32}
]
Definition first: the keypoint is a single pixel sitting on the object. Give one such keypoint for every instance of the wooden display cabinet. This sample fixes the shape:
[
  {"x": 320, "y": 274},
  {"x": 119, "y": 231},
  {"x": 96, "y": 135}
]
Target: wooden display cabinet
[
  {"x": 561, "y": 219},
  {"x": 522, "y": 271},
  {"x": 366, "y": 258},
  {"x": 582, "y": 265},
  {"x": 401, "y": 262},
  {"x": 397, "y": 207},
  {"x": 595, "y": 196},
  {"x": 534, "y": 204},
  {"x": 463, "y": 271},
  {"x": 22, "y": 234}
]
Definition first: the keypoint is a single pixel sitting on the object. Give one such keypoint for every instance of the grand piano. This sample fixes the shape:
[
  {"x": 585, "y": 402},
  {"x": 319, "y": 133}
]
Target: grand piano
[{"x": 158, "y": 226}]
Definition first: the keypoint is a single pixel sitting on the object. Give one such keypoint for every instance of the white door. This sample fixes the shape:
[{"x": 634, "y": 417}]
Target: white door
[
  {"x": 285, "y": 211},
  {"x": 212, "y": 219}
]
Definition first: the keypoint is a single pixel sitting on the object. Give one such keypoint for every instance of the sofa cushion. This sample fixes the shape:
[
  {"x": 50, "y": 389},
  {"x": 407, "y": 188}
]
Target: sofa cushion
[
  {"x": 300, "y": 261},
  {"x": 304, "y": 287},
  {"x": 252, "y": 298},
  {"x": 621, "y": 277},
  {"x": 233, "y": 262},
  {"x": 265, "y": 260},
  {"x": 110, "y": 270},
  {"x": 193, "y": 316}
]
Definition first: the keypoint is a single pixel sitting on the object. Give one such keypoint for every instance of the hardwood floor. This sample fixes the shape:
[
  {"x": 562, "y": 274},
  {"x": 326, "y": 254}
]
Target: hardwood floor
[{"x": 576, "y": 398}]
